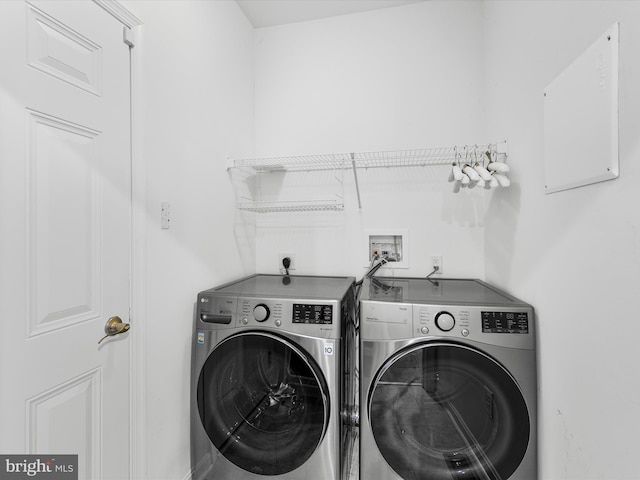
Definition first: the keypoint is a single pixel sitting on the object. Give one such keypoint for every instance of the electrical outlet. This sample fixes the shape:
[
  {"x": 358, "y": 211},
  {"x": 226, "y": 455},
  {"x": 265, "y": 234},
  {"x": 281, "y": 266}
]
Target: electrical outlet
[
  {"x": 436, "y": 261},
  {"x": 282, "y": 256},
  {"x": 165, "y": 215}
]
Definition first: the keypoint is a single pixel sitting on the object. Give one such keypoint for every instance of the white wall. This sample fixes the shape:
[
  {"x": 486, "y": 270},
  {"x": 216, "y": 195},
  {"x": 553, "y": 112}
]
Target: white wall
[
  {"x": 197, "y": 87},
  {"x": 392, "y": 79},
  {"x": 575, "y": 255}
]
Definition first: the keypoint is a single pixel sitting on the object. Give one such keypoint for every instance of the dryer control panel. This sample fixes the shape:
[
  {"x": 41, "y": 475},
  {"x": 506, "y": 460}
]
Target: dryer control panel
[
  {"x": 512, "y": 327},
  {"x": 506, "y": 326}
]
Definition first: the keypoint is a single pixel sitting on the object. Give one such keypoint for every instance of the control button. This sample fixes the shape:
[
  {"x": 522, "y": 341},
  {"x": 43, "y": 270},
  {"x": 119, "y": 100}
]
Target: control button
[
  {"x": 465, "y": 332},
  {"x": 245, "y": 320},
  {"x": 445, "y": 321},
  {"x": 424, "y": 330},
  {"x": 261, "y": 312},
  {"x": 278, "y": 323}
]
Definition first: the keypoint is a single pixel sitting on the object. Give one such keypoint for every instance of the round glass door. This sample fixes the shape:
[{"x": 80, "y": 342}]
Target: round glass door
[
  {"x": 446, "y": 411},
  {"x": 263, "y": 403}
]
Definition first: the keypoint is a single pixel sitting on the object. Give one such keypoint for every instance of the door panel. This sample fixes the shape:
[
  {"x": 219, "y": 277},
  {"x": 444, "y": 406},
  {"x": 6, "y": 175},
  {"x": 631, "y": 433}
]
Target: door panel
[
  {"x": 58, "y": 417},
  {"x": 59, "y": 51},
  {"x": 64, "y": 224},
  {"x": 65, "y": 201}
]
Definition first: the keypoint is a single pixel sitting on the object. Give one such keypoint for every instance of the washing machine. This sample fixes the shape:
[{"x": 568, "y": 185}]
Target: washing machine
[
  {"x": 448, "y": 381},
  {"x": 272, "y": 379}
]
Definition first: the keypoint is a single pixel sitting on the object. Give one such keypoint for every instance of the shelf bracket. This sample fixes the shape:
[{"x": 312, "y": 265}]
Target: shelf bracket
[{"x": 355, "y": 177}]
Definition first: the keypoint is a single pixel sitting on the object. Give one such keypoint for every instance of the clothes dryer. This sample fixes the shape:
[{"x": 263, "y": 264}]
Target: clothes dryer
[
  {"x": 271, "y": 374},
  {"x": 448, "y": 381}
]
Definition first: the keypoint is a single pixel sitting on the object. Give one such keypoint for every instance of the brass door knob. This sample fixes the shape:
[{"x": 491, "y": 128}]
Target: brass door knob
[{"x": 114, "y": 326}]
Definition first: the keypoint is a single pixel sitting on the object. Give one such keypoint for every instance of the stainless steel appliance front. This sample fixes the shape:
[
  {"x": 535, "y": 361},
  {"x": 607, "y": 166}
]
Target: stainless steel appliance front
[
  {"x": 448, "y": 381},
  {"x": 268, "y": 382}
]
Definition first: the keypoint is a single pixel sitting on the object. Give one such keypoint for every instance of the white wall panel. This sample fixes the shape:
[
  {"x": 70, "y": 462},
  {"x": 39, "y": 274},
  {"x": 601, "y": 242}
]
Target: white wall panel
[{"x": 581, "y": 118}]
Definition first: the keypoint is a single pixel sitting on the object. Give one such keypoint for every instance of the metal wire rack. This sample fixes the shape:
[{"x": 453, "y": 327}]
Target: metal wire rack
[
  {"x": 353, "y": 161},
  {"x": 406, "y": 158},
  {"x": 305, "y": 163},
  {"x": 294, "y": 206}
]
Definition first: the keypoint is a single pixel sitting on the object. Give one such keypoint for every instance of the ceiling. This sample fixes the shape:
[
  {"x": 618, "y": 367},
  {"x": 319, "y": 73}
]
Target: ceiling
[{"x": 267, "y": 13}]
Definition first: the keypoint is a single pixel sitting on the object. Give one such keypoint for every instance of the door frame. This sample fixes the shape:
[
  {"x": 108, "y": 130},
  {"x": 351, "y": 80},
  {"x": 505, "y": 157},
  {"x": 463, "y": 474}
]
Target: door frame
[{"x": 137, "y": 268}]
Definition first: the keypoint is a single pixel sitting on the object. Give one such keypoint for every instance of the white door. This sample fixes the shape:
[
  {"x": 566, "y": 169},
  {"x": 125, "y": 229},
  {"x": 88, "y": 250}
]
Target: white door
[{"x": 65, "y": 203}]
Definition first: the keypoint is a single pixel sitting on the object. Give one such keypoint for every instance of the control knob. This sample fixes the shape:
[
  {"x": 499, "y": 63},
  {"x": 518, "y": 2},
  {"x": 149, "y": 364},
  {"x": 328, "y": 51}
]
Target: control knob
[
  {"x": 261, "y": 312},
  {"x": 445, "y": 321}
]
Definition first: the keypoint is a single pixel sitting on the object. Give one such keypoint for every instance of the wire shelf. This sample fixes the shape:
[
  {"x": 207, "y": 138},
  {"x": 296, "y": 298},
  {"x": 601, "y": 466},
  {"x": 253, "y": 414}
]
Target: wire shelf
[
  {"x": 425, "y": 157},
  {"x": 406, "y": 158},
  {"x": 382, "y": 159},
  {"x": 275, "y": 207},
  {"x": 296, "y": 164}
]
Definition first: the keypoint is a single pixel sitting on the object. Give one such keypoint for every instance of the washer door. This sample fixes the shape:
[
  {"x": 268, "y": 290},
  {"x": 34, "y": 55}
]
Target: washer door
[
  {"x": 263, "y": 403},
  {"x": 447, "y": 411}
]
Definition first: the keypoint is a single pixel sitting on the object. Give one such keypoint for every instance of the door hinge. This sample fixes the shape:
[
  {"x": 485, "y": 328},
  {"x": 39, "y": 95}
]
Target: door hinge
[{"x": 128, "y": 37}]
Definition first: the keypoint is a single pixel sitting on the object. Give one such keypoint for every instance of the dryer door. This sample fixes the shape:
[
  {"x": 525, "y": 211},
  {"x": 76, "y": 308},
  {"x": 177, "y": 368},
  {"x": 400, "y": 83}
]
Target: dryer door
[
  {"x": 447, "y": 411},
  {"x": 263, "y": 402}
]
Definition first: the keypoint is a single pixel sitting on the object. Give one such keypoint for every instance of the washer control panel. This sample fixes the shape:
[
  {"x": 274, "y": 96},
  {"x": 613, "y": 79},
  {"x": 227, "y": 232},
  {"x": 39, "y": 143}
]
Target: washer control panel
[
  {"x": 261, "y": 312},
  {"x": 505, "y": 322},
  {"x": 217, "y": 310},
  {"x": 305, "y": 316},
  {"x": 315, "y": 314},
  {"x": 252, "y": 312}
]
